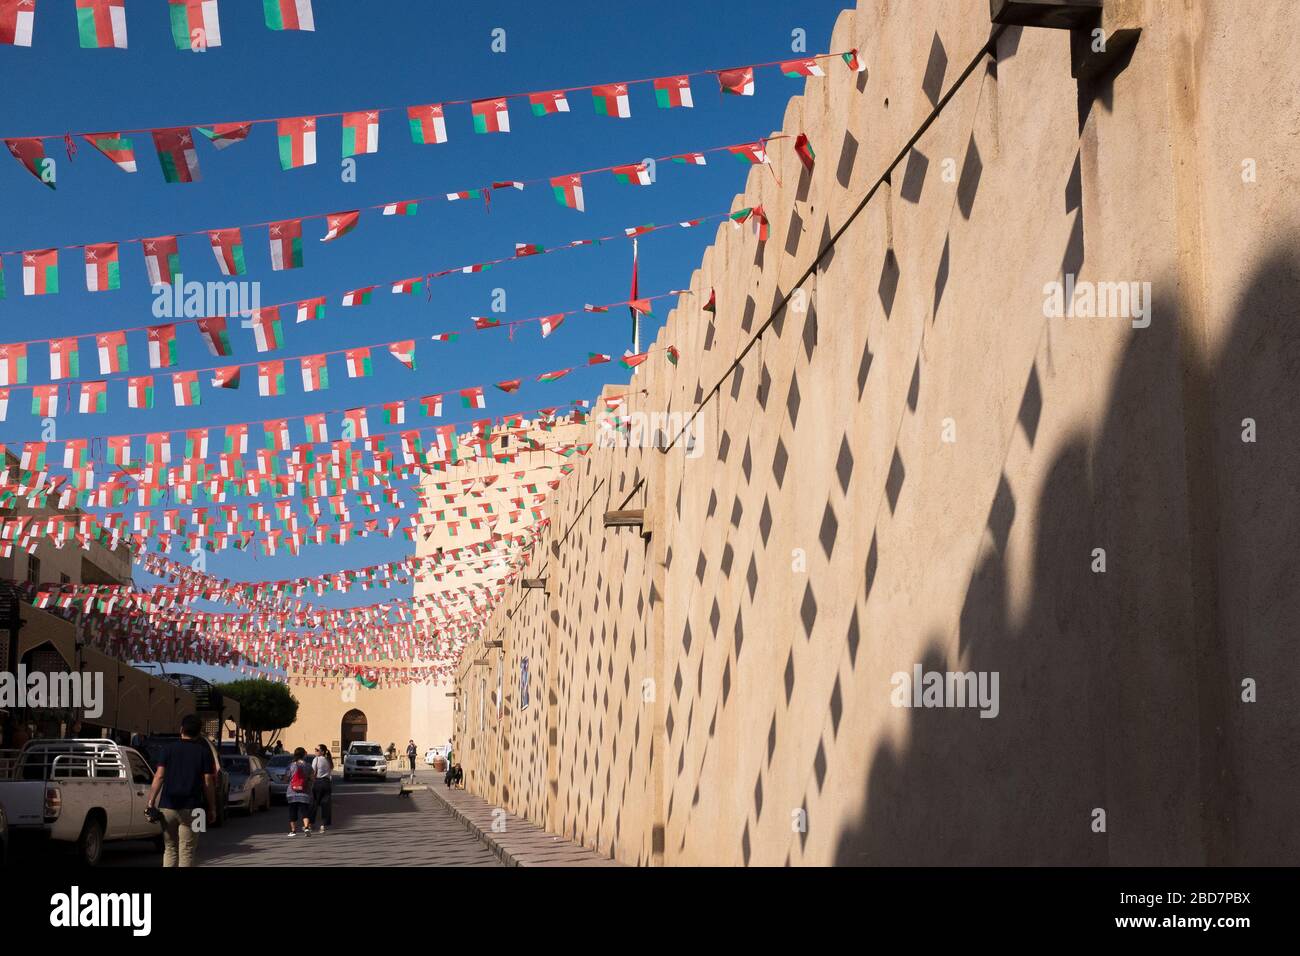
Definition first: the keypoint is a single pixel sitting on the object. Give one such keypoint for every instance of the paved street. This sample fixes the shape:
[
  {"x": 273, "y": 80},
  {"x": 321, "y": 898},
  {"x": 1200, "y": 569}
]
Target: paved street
[{"x": 373, "y": 826}]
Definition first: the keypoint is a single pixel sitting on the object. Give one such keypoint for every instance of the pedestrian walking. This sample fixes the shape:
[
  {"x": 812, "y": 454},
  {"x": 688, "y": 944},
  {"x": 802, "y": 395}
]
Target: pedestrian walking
[
  {"x": 322, "y": 789},
  {"x": 183, "y": 784},
  {"x": 410, "y": 755},
  {"x": 298, "y": 793}
]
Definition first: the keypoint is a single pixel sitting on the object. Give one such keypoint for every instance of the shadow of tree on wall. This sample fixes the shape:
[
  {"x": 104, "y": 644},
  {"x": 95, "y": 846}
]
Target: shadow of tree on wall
[{"x": 1122, "y": 690}]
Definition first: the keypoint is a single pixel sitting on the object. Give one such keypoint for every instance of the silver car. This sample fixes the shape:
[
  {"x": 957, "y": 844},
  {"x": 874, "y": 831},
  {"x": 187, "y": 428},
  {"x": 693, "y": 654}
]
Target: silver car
[
  {"x": 277, "y": 771},
  {"x": 250, "y": 785}
]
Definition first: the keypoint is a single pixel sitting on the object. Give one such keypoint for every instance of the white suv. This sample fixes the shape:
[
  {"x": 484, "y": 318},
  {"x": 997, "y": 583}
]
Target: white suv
[{"x": 365, "y": 759}]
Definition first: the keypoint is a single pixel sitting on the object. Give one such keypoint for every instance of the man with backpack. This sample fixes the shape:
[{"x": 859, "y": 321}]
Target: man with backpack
[{"x": 297, "y": 793}]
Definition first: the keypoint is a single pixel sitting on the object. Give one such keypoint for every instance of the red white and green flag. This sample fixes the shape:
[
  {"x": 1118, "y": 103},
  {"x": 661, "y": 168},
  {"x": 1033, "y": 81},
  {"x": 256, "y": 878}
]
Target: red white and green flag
[
  {"x": 222, "y": 135},
  {"x": 270, "y": 378},
  {"x": 358, "y": 296},
  {"x": 465, "y": 194},
  {"x": 162, "y": 259},
  {"x": 311, "y": 309},
  {"x": 275, "y": 434},
  {"x": 550, "y": 323},
  {"x": 116, "y": 147},
  {"x": 803, "y": 149},
  {"x": 286, "y": 244},
  {"x": 215, "y": 335},
  {"x": 236, "y": 442},
  {"x": 119, "y": 450},
  {"x": 408, "y": 208},
  {"x": 473, "y": 397},
  {"x": 176, "y": 154},
  {"x": 226, "y": 377},
  {"x": 757, "y": 214},
  {"x": 16, "y": 21},
  {"x": 360, "y": 133},
  {"x": 185, "y": 388},
  {"x": 597, "y": 358},
  {"x": 413, "y": 286},
  {"x": 853, "y": 62},
  {"x": 445, "y": 337},
  {"x": 268, "y": 334},
  {"x": 41, "y": 272},
  {"x": 554, "y": 376},
  {"x": 528, "y": 249},
  {"x": 33, "y": 456},
  {"x": 13, "y": 364},
  {"x": 673, "y": 91},
  {"x": 45, "y": 400},
  {"x": 431, "y": 406},
  {"x": 112, "y": 352},
  {"x": 358, "y": 362},
  {"x": 103, "y": 274},
  {"x": 751, "y": 154},
  {"x": 64, "y": 358},
  {"x": 610, "y": 99},
  {"x": 288, "y": 15},
  {"x": 94, "y": 398},
  {"x": 691, "y": 159},
  {"x": 568, "y": 191},
  {"x": 428, "y": 124},
  {"x": 544, "y": 104},
  {"x": 139, "y": 392},
  {"x": 797, "y": 68},
  {"x": 632, "y": 360},
  {"x": 404, "y": 352},
  {"x": 31, "y": 153},
  {"x": 395, "y": 413},
  {"x": 196, "y": 443},
  {"x": 737, "y": 82},
  {"x": 195, "y": 24},
  {"x": 297, "y": 138},
  {"x": 228, "y": 247},
  {"x": 631, "y": 231},
  {"x": 339, "y": 224},
  {"x": 315, "y": 430},
  {"x": 508, "y": 386},
  {"x": 491, "y": 116},
  {"x": 315, "y": 373},
  {"x": 101, "y": 24},
  {"x": 74, "y": 452},
  {"x": 636, "y": 174}
]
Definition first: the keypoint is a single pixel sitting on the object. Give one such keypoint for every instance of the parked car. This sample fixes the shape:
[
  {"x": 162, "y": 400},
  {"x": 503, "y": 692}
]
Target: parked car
[
  {"x": 277, "y": 772},
  {"x": 250, "y": 785},
  {"x": 436, "y": 757},
  {"x": 155, "y": 745},
  {"x": 232, "y": 748},
  {"x": 365, "y": 759},
  {"x": 85, "y": 792}
]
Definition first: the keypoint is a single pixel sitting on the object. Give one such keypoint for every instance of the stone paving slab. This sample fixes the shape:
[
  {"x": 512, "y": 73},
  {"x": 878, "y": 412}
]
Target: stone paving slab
[{"x": 522, "y": 843}]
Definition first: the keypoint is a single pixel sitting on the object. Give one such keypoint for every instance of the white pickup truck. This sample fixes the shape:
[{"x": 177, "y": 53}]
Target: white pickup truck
[{"x": 81, "y": 791}]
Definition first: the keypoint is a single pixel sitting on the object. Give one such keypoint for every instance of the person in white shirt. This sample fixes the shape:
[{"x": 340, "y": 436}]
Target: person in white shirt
[{"x": 322, "y": 788}]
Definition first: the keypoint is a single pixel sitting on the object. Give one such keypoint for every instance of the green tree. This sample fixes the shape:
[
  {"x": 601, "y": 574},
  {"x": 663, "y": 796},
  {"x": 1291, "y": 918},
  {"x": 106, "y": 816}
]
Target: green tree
[{"x": 264, "y": 708}]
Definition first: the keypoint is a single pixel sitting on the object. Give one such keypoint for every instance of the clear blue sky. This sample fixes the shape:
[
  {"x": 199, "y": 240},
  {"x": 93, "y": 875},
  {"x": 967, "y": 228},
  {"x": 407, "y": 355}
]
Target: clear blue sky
[{"x": 366, "y": 55}]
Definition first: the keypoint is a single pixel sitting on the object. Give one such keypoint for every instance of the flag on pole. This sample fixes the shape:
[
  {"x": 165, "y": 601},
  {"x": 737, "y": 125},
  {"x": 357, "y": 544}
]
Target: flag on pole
[
  {"x": 673, "y": 91},
  {"x": 360, "y": 133},
  {"x": 195, "y": 24},
  {"x": 13, "y": 364},
  {"x": 41, "y": 272},
  {"x": 101, "y": 24},
  {"x": 408, "y": 208},
  {"x": 315, "y": 373},
  {"x": 226, "y": 377},
  {"x": 339, "y": 224},
  {"x": 94, "y": 398},
  {"x": 270, "y": 378},
  {"x": 473, "y": 397},
  {"x": 358, "y": 362},
  {"x": 797, "y": 68},
  {"x": 431, "y": 406},
  {"x": 428, "y": 124},
  {"x": 568, "y": 191},
  {"x": 286, "y": 244},
  {"x": 288, "y": 15},
  {"x": 550, "y": 323},
  {"x": 112, "y": 352},
  {"x": 102, "y": 270},
  {"x": 215, "y": 335},
  {"x": 176, "y": 154},
  {"x": 311, "y": 309},
  {"x": 222, "y": 135},
  {"x": 358, "y": 296},
  {"x": 297, "y": 138},
  {"x": 636, "y": 174},
  {"x": 404, "y": 352},
  {"x": 162, "y": 259},
  {"x": 267, "y": 331},
  {"x": 31, "y": 153},
  {"x": 491, "y": 116},
  {"x": 185, "y": 388},
  {"x": 610, "y": 99},
  {"x": 139, "y": 392},
  {"x": 45, "y": 400},
  {"x": 16, "y": 21},
  {"x": 116, "y": 147},
  {"x": 544, "y": 104},
  {"x": 228, "y": 247},
  {"x": 737, "y": 82}
]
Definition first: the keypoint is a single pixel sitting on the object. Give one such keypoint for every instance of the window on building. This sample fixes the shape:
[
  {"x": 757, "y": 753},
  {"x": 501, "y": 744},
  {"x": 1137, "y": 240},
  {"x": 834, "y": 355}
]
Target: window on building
[
  {"x": 64, "y": 579},
  {"x": 33, "y": 569}
]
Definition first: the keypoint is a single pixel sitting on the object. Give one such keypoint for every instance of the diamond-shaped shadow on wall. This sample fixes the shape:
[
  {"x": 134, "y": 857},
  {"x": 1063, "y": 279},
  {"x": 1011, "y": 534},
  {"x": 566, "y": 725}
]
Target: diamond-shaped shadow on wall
[
  {"x": 894, "y": 484},
  {"x": 808, "y": 611},
  {"x": 844, "y": 463},
  {"x": 968, "y": 183},
  {"x": 829, "y": 529},
  {"x": 888, "y": 286},
  {"x": 1031, "y": 405},
  {"x": 914, "y": 175},
  {"x": 941, "y": 277},
  {"x": 935, "y": 68}
]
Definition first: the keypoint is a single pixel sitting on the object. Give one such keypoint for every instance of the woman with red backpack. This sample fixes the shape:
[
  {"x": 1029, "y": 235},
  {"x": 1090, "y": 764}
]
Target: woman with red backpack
[{"x": 297, "y": 793}]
